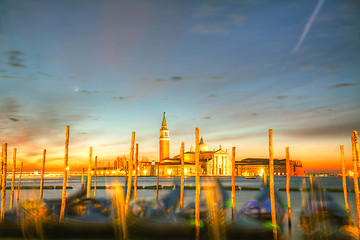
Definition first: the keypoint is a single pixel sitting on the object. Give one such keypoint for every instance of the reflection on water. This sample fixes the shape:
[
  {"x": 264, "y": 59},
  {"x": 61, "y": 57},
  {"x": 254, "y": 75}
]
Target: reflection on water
[{"x": 241, "y": 196}]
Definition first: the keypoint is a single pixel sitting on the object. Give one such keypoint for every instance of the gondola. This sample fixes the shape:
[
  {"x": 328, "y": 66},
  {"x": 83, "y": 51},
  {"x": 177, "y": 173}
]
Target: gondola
[
  {"x": 157, "y": 219},
  {"x": 253, "y": 220},
  {"x": 31, "y": 217},
  {"x": 322, "y": 218}
]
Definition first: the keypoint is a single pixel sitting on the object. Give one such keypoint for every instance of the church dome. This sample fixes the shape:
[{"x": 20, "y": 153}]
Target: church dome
[{"x": 203, "y": 147}]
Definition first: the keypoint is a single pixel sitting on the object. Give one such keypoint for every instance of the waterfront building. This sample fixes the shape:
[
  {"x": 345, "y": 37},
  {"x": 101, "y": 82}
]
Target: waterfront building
[
  {"x": 214, "y": 162},
  {"x": 259, "y": 166},
  {"x": 164, "y": 141}
]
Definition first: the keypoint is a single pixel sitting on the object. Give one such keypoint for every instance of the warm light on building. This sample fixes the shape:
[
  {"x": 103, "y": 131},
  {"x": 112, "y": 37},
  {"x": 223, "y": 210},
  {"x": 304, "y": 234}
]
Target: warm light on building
[
  {"x": 67, "y": 168},
  {"x": 169, "y": 171},
  {"x": 185, "y": 171}
]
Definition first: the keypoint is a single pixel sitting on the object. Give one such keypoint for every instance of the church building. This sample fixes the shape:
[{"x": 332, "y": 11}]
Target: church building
[{"x": 215, "y": 163}]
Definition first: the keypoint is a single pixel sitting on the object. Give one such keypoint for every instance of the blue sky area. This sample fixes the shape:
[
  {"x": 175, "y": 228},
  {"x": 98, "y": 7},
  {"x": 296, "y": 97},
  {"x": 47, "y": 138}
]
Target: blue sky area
[{"x": 232, "y": 68}]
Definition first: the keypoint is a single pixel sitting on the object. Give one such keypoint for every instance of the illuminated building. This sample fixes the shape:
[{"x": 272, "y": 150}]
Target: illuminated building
[
  {"x": 164, "y": 141},
  {"x": 214, "y": 162},
  {"x": 259, "y": 166}
]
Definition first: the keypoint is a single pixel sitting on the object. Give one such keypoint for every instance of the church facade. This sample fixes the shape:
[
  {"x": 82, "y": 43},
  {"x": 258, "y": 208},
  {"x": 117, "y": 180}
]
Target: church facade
[{"x": 214, "y": 163}]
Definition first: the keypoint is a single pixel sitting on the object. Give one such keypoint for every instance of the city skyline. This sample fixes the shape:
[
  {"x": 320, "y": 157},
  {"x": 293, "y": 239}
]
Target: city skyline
[{"x": 232, "y": 68}]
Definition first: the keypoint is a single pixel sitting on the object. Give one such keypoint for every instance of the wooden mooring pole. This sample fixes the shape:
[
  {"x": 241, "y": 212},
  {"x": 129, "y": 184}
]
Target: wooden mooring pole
[
  {"x": 19, "y": 184},
  {"x": 197, "y": 183},
  {"x": 95, "y": 176},
  {"x": 136, "y": 171},
  {"x": 233, "y": 183},
  {"x": 157, "y": 179},
  {"x": 2, "y": 167},
  {"x": 3, "y": 194},
  {"x": 131, "y": 159},
  {"x": 82, "y": 178},
  {"x": 288, "y": 185},
  {"x": 344, "y": 178},
  {"x": 66, "y": 158},
  {"x": 88, "y": 187},
  {"x": 42, "y": 175},
  {"x": 271, "y": 182},
  {"x": 355, "y": 157},
  {"x": 13, "y": 181},
  {"x": 182, "y": 150}
]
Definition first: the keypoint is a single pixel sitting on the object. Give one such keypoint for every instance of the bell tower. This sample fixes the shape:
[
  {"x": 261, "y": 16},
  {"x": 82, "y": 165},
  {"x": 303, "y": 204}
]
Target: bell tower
[{"x": 164, "y": 140}]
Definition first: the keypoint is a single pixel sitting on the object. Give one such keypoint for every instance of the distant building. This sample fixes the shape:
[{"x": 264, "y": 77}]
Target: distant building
[
  {"x": 214, "y": 162},
  {"x": 164, "y": 141},
  {"x": 259, "y": 166}
]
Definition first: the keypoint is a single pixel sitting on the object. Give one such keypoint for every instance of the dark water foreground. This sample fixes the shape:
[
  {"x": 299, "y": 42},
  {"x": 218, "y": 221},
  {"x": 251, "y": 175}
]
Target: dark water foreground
[{"x": 241, "y": 196}]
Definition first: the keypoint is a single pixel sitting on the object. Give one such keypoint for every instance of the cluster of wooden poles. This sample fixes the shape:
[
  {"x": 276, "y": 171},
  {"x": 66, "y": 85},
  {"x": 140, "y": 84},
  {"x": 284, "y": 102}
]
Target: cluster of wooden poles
[
  {"x": 355, "y": 157},
  {"x": 3, "y": 180}
]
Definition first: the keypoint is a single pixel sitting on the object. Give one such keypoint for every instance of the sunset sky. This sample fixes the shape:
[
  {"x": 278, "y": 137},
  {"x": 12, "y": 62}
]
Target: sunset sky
[{"x": 232, "y": 68}]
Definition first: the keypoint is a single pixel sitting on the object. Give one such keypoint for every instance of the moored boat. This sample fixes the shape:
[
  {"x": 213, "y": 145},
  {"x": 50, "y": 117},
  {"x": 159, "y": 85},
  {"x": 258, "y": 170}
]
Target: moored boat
[
  {"x": 253, "y": 220},
  {"x": 323, "y": 218}
]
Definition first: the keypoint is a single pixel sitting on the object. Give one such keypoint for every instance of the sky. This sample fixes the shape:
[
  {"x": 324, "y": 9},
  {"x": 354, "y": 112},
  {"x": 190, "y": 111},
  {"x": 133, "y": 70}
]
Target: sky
[{"x": 235, "y": 69}]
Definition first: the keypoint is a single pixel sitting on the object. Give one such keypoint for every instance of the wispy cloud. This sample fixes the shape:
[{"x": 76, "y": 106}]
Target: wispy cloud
[
  {"x": 14, "y": 58},
  {"x": 217, "y": 78},
  {"x": 210, "y": 27},
  {"x": 121, "y": 98},
  {"x": 87, "y": 92},
  {"x": 171, "y": 79},
  {"x": 321, "y": 131},
  {"x": 331, "y": 68},
  {"x": 9, "y": 106},
  {"x": 212, "y": 96},
  {"x": 14, "y": 119},
  {"x": 280, "y": 97},
  {"x": 342, "y": 85},
  {"x": 236, "y": 17},
  {"x": 215, "y": 18},
  {"x": 209, "y": 9},
  {"x": 7, "y": 77},
  {"x": 308, "y": 25}
]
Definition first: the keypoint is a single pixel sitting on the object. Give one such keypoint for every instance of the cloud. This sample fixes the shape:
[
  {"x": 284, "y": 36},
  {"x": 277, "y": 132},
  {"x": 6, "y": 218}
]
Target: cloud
[
  {"x": 9, "y": 106},
  {"x": 207, "y": 117},
  {"x": 176, "y": 78},
  {"x": 14, "y": 119},
  {"x": 209, "y": 9},
  {"x": 216, "y": 78},
  {"x": 331, "y": 68},
  {"x": 280, "y": 97},
  {"x": 209, "y": 12},
  {"x": 14, "y": 64},
  {"x": 14, "y": 58},
  {"x": 236, "y": 17},
  {"x": 170, "y": 79},
  {"x": 7, "y": 77},
  {"x": 87, "y": 92},
  {"x": 342, "y": 85},
  {"x": 121, "y": 98},
  {"x": 210, "y": 27},
  {"x": 212, "y": 96},
  {"x": 336, "y": 129}
]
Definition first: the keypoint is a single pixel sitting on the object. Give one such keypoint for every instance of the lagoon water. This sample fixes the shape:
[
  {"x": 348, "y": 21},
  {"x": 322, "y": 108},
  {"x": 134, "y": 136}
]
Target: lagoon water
[{"x": 241, "y": 196}]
